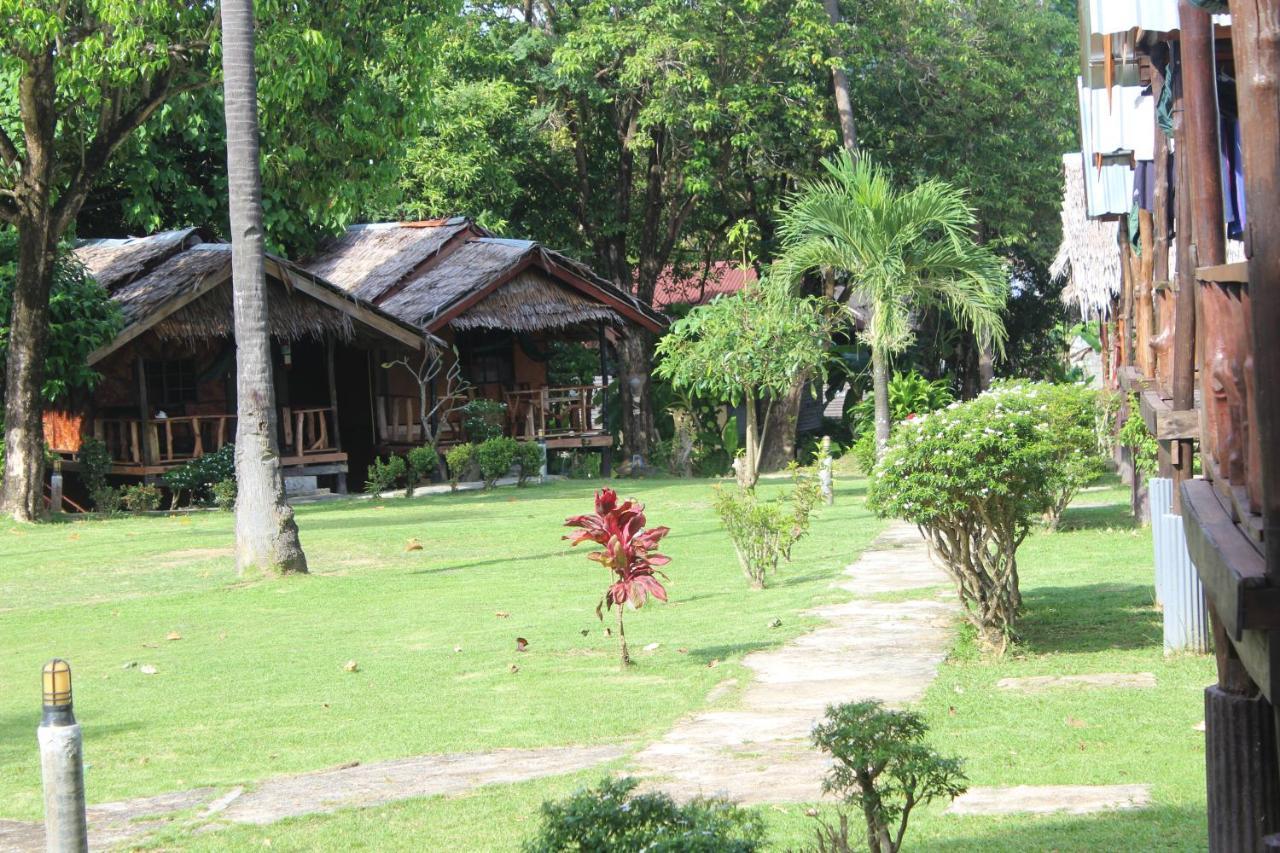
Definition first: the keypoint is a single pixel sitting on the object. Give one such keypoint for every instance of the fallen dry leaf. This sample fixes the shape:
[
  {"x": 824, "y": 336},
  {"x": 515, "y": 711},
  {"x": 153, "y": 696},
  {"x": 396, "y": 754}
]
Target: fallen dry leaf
[
  {"x": 147, "y": 669},
  {"x": 514, "y": 668},
  {"x": 1199, "y": 726},
  {"x": 652, "y": 647},
  {"x": 457, "y": 648},
  {"x": 502, "y": 614},
  {"x": 173, "y": 635},
  {"x": 683, "y": 651},
  {"x": 1076, "y": 724},
  {"x": 351, "y": 666},
  {"x": 522, "y": 645},
  {"x": 713, "y": 663},
  {"x": 414, "y": 545}
]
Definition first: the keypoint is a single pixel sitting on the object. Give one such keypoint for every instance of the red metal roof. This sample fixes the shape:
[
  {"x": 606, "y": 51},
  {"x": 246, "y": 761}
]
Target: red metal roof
[{"x": 698, "y": 289}]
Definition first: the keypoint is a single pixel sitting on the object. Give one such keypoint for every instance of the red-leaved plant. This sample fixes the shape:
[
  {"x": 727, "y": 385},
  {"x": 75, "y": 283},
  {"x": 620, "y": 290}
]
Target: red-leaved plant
[{"x": 628, "y": 553}]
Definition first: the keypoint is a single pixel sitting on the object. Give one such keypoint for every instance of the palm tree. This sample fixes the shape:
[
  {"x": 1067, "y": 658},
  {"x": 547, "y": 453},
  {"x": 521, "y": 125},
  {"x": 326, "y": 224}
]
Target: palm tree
[
  {"x": 901, "y": 251},
  {"x": 266, "y": 535}
]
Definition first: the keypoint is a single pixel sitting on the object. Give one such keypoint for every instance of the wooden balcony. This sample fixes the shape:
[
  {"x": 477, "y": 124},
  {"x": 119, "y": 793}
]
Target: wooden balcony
[
  {"x": 308, "y": 436},
  {"x": 558, "y": 417}
]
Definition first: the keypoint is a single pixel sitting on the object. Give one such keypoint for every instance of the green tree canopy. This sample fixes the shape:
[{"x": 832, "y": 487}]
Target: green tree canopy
[{"x": 747, "y": 347}]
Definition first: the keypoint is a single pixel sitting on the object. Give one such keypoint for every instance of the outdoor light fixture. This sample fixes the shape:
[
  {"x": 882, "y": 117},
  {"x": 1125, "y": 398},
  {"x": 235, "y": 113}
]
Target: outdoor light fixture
[
  {"x": 56, "y": 680},
  {"x": 287, "y": 352}
]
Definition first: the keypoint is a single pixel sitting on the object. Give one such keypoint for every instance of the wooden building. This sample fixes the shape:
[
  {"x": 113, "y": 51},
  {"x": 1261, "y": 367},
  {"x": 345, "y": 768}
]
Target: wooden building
[
  {"x": 498, "y": 303},
  {"x": 1195, "y": 332},
  {"x": 167, "y": 392}
]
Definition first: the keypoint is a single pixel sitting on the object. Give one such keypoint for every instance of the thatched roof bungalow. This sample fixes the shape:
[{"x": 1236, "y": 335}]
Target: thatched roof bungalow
[
  {"x": 501, "y": 303},
  {"x": 1089, "y": 255},
  {"x": 167, "y": 393}
]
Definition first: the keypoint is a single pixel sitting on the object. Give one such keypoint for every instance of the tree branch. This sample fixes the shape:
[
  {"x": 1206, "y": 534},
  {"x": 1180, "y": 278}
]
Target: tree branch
[
  {"x": 108, "y": 139},
  {"x": 8, "y": 151}
]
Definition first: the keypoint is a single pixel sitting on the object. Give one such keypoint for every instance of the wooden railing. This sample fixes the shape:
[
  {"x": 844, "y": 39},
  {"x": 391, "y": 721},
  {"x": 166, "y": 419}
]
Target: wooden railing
[
  {"x": 175, "y": 440},
  {"x": 550, "y": 412}
]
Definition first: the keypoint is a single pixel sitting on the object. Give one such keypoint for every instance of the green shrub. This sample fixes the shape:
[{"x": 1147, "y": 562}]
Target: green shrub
[
  {"x": 864, "y": 452},
  {"x": 382, "y": 476},
  {"x": 1141, "y": 443},
  {"x": 529, "y": 457},
  {"x": 612, "y": 818},
  {"x": 224, "y": 494},
  {"x": 584, "y": 465},
  {"x": 106, "y": 500},
  {"x": 198, "y": 477},
  {"x": 909, "y": 394},
  {"x": 483, "y": 420},
  {"x": 881, "y": 765},
  {"x": 1073, "y": 414},
  {"x": 95, "y": 464},
  {"x": 461, "y": 461},
  {"x": 495, "y": 458},
  {"x": 141, "y": 497},
  {"x": 764, "y": 532},
  {"x": 973, "y": 476},
  {"x": 419, "y": 463}
]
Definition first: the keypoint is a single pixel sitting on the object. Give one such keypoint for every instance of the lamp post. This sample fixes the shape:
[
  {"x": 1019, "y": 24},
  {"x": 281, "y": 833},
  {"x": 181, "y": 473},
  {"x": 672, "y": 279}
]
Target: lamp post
[{"x": 66, "y": 828}]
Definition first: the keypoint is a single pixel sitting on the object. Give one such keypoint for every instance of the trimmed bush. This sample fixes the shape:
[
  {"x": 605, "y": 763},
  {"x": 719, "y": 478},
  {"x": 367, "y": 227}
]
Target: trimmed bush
[
  {"x": 106, "y": 500},
  {"x": 973, "y": 477},
  {"x": 495, "y": 458},
  {"x": 95, "y": 465},
  {"x": 383, "y": 476},
  {"x": 461, "y": 460},
  {"x": 224, "y": 494},
  {"x": 419, "y": 462},
  {"x": 141, "y": 497},
  {"x": 529, "y": 458},
  {"x": 612, "y": 818},
  {"x": 483, "y": 420},
  {"x": 882, "y": 766},
  {"x": 199, "y": 476}
]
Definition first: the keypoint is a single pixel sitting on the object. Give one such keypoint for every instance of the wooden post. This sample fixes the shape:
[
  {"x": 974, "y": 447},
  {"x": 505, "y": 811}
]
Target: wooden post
[
  {"x": 150, "y": 441},
  {"x": 1184, "y": 322},
  {"x": 1256, "y": 42},
  {"x": 333, "y": 391}
]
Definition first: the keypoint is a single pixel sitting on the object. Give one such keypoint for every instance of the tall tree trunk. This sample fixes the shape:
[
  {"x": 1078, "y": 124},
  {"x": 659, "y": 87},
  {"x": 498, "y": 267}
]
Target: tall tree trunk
[
  {"x": 778, "y": 449},
  {"x": 21, "y": 495},
  {"x": 880, "y": 392},
  {"x": 266, "y": 535},
  {"x": 840, "y": 80},
  {"x": 635, "y": 392},
  {"x": 750, "y": 472},
  {"x": 23, "y": 406}
]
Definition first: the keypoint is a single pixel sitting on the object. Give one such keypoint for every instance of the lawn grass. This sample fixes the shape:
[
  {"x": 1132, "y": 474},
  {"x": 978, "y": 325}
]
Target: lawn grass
[
  {"x": 255, "y": 686},
  {"x": 1088, "y": 609}
]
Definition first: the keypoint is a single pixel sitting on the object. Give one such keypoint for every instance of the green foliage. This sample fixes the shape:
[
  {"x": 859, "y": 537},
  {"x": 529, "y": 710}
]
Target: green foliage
[
  {"x": 82, "y": 318},
  {"x": 973, "y": 476},
  {"x": 419, "y": 463},
  {"x": 483, "y": 419},
  {"x": 901, "y": 250},
  {"x": 571, "y": 363},
  {"x": 1073, "y": 414},
  {"x": 495, "y": 458},
  {"x": 882, "y": 766},
  {"x": 612, "y": 818},
  {"x": 579, "y": 464},
  {"x": 1141, "y": 443},
  {"x": 909, "y": 394},
  {"x": 529, "y": 457},
  {"x": 140, "y": 497},
  {"x": 95, "y": 464},
  {"x": 763, "y": 532},
  {"x": 106, "y": 500},
  {"x": 383, "y": 476},
  {"x": 198, "y": 477},
  {"x": 461, "y": 460},
  {"x": 224, "y": 494}
]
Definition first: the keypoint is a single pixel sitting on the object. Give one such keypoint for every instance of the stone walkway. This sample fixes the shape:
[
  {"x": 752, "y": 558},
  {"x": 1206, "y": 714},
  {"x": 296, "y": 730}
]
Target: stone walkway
[
  {"x": 888, "y": 650},
  {"x": 357, "y": 786}
]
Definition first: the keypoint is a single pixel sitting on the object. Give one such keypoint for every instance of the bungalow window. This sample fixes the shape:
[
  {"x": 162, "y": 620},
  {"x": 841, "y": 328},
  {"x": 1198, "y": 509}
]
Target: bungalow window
[
  {"x": 486, "y": 358},
  {"x": 170, "y": 383}
]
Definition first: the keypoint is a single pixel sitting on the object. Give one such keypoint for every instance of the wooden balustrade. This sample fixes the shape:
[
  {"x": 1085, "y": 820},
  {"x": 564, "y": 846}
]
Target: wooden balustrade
[
  {"x": 533, "y": 415},
  {"x": 171, "y": 441}
]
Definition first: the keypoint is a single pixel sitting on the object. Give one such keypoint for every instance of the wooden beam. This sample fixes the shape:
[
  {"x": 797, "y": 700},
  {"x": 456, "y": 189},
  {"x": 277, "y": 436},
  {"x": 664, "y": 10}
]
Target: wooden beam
[
  {"x": 1224, "y": 273},
  {"x": 381, "y": 322}
]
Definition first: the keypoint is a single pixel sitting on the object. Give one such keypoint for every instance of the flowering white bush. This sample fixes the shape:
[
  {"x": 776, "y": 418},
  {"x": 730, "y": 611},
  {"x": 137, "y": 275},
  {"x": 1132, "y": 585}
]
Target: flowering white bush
[{"x": 973, "y": 477}]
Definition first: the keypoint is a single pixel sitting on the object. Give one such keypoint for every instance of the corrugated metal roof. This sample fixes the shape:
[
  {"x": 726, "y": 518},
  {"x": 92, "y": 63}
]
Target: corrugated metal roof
[
  {"x": 1121, "y": 125},
  {"x": 1104, "y": 17}
]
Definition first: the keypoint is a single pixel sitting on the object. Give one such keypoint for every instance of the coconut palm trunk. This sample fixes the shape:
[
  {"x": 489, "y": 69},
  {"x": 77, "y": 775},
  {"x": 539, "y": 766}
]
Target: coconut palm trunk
[
  {"x": 880, "y": 395},
  {"x": 266, "y": 535}
]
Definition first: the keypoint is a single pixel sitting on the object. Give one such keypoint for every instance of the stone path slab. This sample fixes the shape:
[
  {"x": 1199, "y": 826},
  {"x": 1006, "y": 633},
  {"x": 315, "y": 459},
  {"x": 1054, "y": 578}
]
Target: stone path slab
[
  {"x": 868, "y": 649},
  {"x": 1036, "y": 683},
  {"x": 1050, "y": 799},
  {"x": 362, "y": 785}
]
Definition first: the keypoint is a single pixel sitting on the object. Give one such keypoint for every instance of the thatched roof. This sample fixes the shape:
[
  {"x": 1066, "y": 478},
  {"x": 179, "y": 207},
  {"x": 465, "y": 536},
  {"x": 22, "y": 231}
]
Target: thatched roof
[
  {"x": 179, "y": 287},
  {"x": 1089, "y": 256},
  {"x": 452, "y": 272}
]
